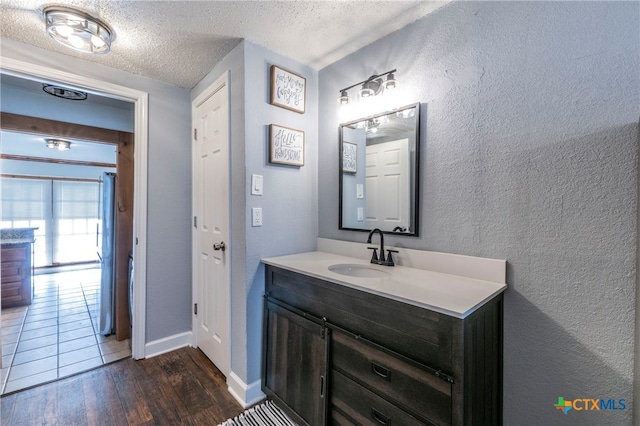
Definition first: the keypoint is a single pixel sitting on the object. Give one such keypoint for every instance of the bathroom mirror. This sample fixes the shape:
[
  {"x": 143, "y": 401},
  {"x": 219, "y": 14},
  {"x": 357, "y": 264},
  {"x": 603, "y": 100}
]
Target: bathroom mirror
[{"x": 379, "y": 169}]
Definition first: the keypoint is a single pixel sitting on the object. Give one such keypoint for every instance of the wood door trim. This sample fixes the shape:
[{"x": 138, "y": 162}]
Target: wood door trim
[
  {"x": 124, "y": 193},
  {"x": 42, "y": 126}
]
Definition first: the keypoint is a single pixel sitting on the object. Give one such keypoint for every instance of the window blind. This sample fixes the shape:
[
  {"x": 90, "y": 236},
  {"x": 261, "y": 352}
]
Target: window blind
[{"x": 67, "y": 214}]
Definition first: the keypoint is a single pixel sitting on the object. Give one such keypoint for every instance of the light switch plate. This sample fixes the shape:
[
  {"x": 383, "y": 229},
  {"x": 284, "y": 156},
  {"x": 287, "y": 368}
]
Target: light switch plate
[
  {"x": 360, "y": 214},
  {"x": 256, "y": 184},
  {"x": 256, "y": 216},
  {"x": 359, "y": 190}
]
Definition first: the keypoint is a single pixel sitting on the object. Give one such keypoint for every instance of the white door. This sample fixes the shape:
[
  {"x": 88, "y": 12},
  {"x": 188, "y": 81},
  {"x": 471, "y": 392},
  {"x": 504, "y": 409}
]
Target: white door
[
  {"x": 387, "y": 185},
  {"x": 211, "y": 255}
]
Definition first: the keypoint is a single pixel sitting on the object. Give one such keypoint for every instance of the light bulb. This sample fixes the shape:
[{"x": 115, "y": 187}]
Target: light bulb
[
  {"x": 76, "y": 41},
  {"x": 97, "y": 41},
  {"x": 64, "y": 30}
]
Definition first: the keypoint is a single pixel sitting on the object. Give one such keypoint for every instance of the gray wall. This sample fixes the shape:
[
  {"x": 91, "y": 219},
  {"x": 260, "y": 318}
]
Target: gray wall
[
  {"x": 169, "y": 186},
  {"x": 115, "y": 115},
  {"x": 289, "y": 204},
  {"x": 529, "y": 152},
  {"x": 290, "y": 200}
]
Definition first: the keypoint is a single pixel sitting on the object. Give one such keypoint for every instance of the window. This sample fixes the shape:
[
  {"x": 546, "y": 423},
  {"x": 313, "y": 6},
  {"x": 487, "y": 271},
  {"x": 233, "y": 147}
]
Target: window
[
  {"x": 76, "y": 221},
  {"x": 66, "y": 213}
]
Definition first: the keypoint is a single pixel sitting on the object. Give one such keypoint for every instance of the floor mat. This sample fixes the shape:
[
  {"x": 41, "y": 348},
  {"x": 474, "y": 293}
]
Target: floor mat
[{"x": 265, "y": 414}]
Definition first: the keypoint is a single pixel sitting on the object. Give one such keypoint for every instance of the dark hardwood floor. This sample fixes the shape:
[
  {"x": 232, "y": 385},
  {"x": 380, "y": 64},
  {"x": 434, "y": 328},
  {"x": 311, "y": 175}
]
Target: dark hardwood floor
[{"x": 178, "y": 388}]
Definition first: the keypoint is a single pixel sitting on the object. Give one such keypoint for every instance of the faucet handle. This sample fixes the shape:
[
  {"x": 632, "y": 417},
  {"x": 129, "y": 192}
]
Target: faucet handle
[
  {"x": 374, "y": 256},
  {"x": 389, "y": 257}
]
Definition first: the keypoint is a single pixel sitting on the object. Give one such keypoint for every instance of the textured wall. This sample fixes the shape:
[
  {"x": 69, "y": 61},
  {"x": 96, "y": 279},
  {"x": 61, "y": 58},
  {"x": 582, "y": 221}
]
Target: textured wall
[
  {"x": 168, "y": 190},
  {"x": 530, "y": 144}
]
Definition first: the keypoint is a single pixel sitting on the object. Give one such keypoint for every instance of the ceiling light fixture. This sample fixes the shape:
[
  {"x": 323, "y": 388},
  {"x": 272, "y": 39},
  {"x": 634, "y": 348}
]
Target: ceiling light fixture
[
  {"x": 64, "y": 92},
  {"x": 370, "y": 87},
  {"x": 78, "y": 30},
  {"x": 59, "y": 144}
]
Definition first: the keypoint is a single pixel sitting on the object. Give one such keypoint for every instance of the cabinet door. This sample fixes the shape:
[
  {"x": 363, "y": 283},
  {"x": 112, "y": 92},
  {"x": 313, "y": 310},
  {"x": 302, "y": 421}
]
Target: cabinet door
[
  {"x": 16, "y": 275},
  {"x": 295, "y": 362}
]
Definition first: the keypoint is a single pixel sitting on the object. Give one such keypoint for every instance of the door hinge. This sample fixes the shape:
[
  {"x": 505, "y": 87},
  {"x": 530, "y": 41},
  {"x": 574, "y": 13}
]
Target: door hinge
[
  {"x": 195, "y": 222},
  {"x": 195, "y": 309},
  {"x": 195, "y": 134}
]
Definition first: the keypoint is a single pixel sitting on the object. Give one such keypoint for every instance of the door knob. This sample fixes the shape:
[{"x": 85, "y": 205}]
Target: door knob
[{"x": 220, "y": 246}]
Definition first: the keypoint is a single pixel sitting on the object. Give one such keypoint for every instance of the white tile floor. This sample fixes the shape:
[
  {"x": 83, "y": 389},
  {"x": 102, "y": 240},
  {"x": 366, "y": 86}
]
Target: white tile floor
[{"x": 57, "y": 335}]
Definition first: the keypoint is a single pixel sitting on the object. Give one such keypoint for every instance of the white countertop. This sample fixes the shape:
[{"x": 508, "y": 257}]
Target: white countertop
[{"x": 448, "y": 294}]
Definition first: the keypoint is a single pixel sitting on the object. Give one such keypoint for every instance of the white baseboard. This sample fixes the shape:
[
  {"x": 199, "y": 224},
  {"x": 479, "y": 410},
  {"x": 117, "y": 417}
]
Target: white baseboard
[
  {"x": 246, "y": 395},
  {"x": 167, "y": 344}
]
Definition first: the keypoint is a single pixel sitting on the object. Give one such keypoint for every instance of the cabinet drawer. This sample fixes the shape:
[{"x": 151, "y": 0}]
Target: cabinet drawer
[
  {"x": 364, "y": 407},
  {"x": 13, "y": 271},
  {"x": 396, "y": 379},
  {"x": 14, "y": 253},
  {"x": 12, "y": 289}
]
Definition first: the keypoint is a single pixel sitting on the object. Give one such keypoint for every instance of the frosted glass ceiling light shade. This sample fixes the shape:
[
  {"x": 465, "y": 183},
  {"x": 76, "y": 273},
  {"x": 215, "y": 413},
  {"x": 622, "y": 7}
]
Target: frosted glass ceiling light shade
[{"x": 78, "y": 30}]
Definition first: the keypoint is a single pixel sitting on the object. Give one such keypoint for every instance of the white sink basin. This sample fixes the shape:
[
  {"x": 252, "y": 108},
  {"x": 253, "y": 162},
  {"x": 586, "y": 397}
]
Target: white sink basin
[{"x": 359, "y": 271}]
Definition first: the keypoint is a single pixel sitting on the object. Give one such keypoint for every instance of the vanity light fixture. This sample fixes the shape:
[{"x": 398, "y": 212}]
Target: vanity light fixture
[
  {"x": 59, "y": 144},
  {"x": 372, "y": 86},
  {"x": 77, "y": 30}
]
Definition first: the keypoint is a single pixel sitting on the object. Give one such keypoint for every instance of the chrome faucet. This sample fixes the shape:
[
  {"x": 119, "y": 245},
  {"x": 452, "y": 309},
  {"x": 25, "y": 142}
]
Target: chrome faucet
[{"x": 388, "y": 261}]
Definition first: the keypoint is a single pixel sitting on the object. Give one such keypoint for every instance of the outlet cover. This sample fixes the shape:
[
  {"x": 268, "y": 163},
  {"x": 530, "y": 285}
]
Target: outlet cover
[{"x": 256, "y": 216}]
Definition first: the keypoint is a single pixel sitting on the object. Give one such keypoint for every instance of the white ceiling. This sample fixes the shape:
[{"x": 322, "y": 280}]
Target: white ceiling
[{"x": 179, "y": 42}]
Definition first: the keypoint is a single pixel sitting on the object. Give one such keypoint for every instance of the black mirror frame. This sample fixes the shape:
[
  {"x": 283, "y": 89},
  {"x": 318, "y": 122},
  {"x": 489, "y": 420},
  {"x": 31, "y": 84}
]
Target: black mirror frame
[{"x": 416, "y": 173}]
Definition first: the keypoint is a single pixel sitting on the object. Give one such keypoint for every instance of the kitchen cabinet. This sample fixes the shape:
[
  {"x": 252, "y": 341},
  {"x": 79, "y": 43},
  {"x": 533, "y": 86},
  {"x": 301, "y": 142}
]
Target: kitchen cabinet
[
  {"x": 389, "y": 362},
  {"x": 16, "y": 274}
]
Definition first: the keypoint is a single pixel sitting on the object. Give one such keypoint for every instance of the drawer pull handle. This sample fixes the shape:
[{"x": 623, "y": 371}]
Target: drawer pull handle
[
  {"x": 381, "y": 371},
  {"x": 379, "y": 417},
  {"x": 321, "y": 386}
]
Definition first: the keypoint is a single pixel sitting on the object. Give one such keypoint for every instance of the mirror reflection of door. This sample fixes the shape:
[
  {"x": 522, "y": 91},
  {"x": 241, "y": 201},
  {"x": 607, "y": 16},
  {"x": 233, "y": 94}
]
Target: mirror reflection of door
[{"x": 387, "y": 185}]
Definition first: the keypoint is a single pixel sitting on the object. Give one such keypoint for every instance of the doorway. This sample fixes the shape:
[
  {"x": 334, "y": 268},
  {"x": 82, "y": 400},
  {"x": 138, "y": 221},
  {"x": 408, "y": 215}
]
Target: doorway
[
  {"x": 59, "y": 332},
  {"x": 140, "y": 100}
]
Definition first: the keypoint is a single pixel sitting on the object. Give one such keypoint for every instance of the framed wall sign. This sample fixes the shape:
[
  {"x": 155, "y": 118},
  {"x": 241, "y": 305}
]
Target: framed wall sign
[
  {"x": 288, "y": 90},
  {"x": 349, "y": 157},
  {"x": 286, "y": 146}
]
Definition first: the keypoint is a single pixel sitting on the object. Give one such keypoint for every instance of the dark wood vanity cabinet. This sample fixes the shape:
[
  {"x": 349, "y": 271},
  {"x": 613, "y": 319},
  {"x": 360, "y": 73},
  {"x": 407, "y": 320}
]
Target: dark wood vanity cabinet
[
  {"x": 295, "y": 362},
  {"x": 389, "y": 362},
  {"x": 16, "y": 274}
]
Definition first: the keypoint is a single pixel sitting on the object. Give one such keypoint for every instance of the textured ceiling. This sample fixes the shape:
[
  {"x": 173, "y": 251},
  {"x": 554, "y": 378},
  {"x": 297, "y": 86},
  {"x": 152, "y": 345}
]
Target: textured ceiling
[{"x": 179, "y": 42}]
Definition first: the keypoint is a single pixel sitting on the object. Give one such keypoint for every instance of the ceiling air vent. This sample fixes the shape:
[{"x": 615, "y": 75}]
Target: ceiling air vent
[{"x": 65, "y": 93}]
